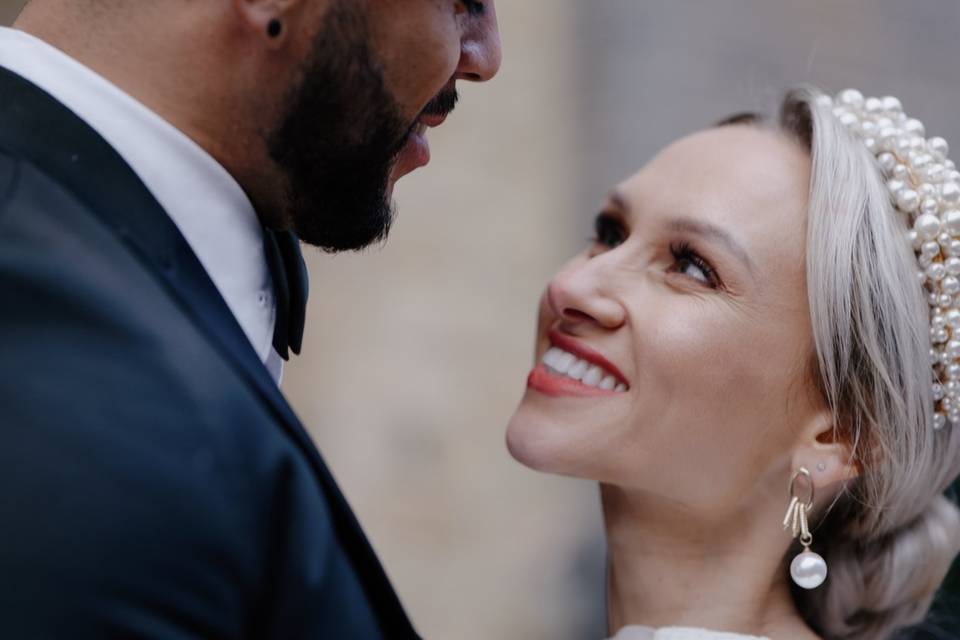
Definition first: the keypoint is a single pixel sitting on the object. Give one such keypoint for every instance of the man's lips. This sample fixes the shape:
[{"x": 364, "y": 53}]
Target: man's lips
[
  {"x": 574, "y": 346},
  {"x": 432, "y": 119}
]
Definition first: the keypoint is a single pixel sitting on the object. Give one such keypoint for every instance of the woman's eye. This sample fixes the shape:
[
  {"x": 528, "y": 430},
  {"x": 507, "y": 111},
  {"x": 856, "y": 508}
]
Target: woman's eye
[
  {"x": 690, "y": 269},
  {"x": 688, "y": 262},
  {"x": 608, "y": 231}
]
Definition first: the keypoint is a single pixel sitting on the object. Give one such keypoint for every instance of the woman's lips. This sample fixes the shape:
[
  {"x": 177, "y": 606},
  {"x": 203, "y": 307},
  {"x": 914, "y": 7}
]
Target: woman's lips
[
  {"x": 572, "y": 345},
  {"x": 543, "y": 380},
  {"x": 569, "y": 368}
]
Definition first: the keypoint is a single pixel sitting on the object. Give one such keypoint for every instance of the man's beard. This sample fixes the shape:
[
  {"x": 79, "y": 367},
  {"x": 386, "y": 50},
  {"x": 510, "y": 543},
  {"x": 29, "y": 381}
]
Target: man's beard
[{"x": 338, "y": 140}]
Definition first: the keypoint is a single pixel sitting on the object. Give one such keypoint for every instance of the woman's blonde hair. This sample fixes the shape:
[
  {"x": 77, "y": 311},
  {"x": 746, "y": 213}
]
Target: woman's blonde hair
[{"x": 891, "y": 536}]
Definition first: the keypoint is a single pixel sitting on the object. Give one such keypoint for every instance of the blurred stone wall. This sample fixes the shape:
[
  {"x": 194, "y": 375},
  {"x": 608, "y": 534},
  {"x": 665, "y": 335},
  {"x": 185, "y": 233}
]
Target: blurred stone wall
[{"x": 416, "y": 352}]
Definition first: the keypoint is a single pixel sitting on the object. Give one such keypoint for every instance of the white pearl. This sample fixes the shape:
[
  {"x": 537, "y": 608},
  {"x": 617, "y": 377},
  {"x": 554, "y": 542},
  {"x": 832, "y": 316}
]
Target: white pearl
[
  {"x": 929, "y": 206},
  {"x": 932, "y": 298},
  {"x": 950, "y": 286},
  {"x": 926, "y": 226},
  {"x": 938, "y": 147},
  {"x": 892, "y": 104},
  {"x": 927, "y": 190},
  {"x": 883, "y": 122},
  {"x": 851, "y": 97},
  {"x": 887, "y": 137},
  {"x": 901, "y": 146},
  {"x": 949, "y": 164},
  {"x": 873, "y": 106},
  {"x": 887, "y": 161},
  {"x": 939, "y": 336},
  {"x": 931, "y": 248},
  {"x": 849, "y": 120},
  {"x": 907, "y": 201},
  {"x": 924, "y": 261},
  {"x": 950, "y": 193},
  {"x": 824, "y": 100},
  {"x": 934, "y": 172},
  {"x": 954, "y": 249},
  {"x": 952, "y": 350},
  {"x": 953, "y": 317},
  {"x": 952, "y": 265},
  {"x": 945, "y": 301},
  {"x": 939, "y": 421},
  {"x": 918, "y": 144},
  {"x": 808, "y": 570},
  {"x": 938, "y": 392},
  {"x": 900, "y": 172},
  {"x": 921, "y": 160},
  {"x": 896, "y": 185},
  {"x": 868, "y": 128},
  {"x": 951, "y": 221},
  {"x": 871, "y": 145},
  {"x": 936, "y": 272},
  {"x": 944, "y": 239},
  {"x": 914, "y": 126}
]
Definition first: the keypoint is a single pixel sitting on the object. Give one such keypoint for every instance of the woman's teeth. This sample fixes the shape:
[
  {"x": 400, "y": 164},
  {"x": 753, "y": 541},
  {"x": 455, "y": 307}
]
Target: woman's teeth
[{"x": 560, "y": 362}]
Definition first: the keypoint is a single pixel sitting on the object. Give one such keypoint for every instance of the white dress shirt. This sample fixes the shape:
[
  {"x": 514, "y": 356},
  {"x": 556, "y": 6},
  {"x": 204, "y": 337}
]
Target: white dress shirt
[
  {"x": 206, "y": 204},
  {"x": 634, "y": 632}
]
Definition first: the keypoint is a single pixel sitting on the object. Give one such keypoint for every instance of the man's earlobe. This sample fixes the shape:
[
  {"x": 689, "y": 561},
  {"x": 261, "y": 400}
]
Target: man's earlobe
[{"x": 274, "y": 28}]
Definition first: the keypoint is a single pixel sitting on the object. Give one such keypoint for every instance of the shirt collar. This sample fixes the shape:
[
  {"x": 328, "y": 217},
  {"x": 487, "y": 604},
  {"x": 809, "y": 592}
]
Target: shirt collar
[{"x": 206, "y": 204}]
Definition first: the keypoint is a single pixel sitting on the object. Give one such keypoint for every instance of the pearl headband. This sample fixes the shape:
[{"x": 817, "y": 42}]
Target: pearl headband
[{"x": 925, "y": 187}]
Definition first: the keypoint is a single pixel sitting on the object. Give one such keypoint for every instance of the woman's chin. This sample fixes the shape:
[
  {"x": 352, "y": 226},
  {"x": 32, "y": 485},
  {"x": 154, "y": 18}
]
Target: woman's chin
[{"x": 536, "y": 444}]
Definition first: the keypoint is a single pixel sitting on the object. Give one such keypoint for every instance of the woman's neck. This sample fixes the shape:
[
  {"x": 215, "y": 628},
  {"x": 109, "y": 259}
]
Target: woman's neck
[{"x": 667, "y": 567}]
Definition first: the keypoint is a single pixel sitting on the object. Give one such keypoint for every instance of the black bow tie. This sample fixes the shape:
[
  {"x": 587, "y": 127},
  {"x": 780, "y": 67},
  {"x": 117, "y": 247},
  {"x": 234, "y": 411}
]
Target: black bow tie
[{"x": 289, "y": 274}]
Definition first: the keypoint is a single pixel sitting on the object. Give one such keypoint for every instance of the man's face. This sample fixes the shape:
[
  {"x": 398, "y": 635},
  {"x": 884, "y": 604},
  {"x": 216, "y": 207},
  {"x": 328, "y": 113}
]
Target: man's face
[{"x": 380, "y": 74}]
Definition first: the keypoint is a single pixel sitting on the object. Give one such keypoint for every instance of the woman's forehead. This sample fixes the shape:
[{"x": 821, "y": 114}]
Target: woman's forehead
[{"x": 727, "y": 175}]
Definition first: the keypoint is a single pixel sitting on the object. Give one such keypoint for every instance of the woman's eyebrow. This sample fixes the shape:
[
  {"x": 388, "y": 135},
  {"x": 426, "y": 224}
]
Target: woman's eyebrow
[
  {"x": 707, "y": 230},
  {"x": 714, "y": 233}
]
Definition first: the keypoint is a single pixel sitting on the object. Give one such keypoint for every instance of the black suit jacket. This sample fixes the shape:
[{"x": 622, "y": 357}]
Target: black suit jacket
[{"x": 154, "y": 483}]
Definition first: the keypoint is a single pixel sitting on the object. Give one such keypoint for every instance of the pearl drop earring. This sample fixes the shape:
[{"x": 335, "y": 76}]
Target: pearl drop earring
[{"x": 808, "y": 569}]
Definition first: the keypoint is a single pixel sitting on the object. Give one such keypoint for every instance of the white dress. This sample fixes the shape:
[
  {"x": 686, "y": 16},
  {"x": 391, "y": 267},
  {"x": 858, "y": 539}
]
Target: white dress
[{"x": 678, "y": 633}]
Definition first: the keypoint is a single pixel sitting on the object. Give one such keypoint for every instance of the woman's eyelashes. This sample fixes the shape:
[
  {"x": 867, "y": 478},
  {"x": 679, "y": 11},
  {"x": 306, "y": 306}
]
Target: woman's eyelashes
[
  {"x": 689, "y": 263},
  {"x": 610, "y": 232}
]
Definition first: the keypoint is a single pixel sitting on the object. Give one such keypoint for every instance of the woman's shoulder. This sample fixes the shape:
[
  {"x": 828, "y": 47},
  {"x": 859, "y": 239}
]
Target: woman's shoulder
[{"x": 678, "y": 633}]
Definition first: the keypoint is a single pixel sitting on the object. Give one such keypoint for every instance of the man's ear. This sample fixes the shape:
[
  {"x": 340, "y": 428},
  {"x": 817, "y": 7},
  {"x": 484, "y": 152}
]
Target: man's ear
[
  {"x": 826, "y": 452},
  {"x": 271, "y": 19}
]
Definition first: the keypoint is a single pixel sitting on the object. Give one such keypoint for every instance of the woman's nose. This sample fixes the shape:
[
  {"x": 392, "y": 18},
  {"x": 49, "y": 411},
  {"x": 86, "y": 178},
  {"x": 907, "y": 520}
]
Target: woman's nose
[
  {"x": 578, "y": 296},
  {"x": 480, "y": 53}
]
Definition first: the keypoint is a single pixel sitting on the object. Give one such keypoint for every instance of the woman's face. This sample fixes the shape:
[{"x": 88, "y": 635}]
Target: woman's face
[{"x": 692, "y": 301}]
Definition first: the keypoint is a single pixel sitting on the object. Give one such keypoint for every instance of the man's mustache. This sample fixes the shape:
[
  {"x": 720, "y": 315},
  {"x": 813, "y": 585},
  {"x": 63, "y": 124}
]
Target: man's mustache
[{"x": 443, "y": 103}]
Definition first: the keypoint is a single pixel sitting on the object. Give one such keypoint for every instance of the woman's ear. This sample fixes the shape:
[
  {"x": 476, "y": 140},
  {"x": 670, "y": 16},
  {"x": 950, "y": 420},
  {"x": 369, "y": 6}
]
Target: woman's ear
[{"x": 826, "y": 452}]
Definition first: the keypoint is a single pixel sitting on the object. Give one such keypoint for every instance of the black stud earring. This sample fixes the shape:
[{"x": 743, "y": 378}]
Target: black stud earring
[{"x": 274, "y": 28}]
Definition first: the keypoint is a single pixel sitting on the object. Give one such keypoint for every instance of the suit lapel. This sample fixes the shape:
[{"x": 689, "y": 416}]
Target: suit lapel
[{"x": 35, "y": 126}]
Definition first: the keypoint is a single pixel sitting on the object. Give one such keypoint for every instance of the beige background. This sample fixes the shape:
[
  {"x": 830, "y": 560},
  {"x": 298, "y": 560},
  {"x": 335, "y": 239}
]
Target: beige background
[{"x": 416, "y": 352}]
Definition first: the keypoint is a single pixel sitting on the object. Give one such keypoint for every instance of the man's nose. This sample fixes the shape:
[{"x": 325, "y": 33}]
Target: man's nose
[{"x": 480, "y": 52}]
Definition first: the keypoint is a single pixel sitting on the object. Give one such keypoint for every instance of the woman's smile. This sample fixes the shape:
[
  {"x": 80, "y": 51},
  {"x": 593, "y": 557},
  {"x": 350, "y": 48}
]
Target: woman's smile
[{"x": 571, "y": 368}]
